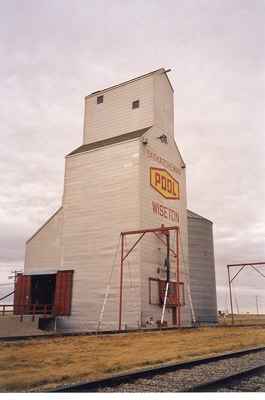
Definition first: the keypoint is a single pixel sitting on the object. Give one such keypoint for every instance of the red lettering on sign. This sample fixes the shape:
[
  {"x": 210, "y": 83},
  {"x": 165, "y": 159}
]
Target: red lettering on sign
[
  {"x": 165, "y": 212},
  {"x": 157, "y": 178},
  {"x": 174, "y": 191},
  {"x": 164, "y": 183},
  {"x": 155, "y": 207},
  {"x": 169, "y": 186}
]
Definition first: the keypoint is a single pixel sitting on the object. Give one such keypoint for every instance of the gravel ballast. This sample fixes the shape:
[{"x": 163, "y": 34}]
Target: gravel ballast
[{"x": 184, "y": 379}]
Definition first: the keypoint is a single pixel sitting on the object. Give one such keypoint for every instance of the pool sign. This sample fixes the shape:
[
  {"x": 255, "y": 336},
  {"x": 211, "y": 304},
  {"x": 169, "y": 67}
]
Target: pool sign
[{"x": 164, "y": 183}]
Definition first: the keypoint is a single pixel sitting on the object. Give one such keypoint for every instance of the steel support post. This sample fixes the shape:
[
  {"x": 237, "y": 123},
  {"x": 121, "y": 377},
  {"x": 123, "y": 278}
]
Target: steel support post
[
  {"x": 230, "y": 293},
  {"x": 121, "y": 281}
]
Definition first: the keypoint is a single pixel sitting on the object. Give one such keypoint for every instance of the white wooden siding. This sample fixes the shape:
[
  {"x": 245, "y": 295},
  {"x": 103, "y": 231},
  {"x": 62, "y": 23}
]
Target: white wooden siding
[
  {"x": 150, "y": 253},
  {"x": 43, "y": 250},
  {"x": 115, "y": 115},
  {"x": 101, "y": 199},
  {"x": 163, "y": 104}
]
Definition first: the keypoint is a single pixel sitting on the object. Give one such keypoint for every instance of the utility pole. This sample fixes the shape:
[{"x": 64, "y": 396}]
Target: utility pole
[
  {"x": 237, "y": 307},
  {"x": 257, "y": 305},
  {"x": 14, "y": 276}
]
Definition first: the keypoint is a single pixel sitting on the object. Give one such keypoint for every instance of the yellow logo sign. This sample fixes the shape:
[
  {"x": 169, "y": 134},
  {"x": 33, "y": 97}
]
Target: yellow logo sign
[{"x": 164, "y": 183}]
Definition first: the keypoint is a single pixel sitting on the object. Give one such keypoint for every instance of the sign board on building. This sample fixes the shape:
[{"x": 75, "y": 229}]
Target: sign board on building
[{"x": 164, "y": 183}]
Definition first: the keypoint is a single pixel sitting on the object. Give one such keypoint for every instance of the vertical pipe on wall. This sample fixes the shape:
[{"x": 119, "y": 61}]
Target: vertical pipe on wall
[
  {"x": 177, "y": 262},
  {"x": 168, "y": 256},
  {"x": 121, "y": 280}
]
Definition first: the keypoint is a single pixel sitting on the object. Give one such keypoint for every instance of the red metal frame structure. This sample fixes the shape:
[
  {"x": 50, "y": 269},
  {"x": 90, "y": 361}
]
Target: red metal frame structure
[
  {"x": 254, "y": 266},
  {"x": 156, "y": 231}
]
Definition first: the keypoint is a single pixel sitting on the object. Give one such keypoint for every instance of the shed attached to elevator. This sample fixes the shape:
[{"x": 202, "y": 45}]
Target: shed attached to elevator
[{"x": 202, "y": 268}]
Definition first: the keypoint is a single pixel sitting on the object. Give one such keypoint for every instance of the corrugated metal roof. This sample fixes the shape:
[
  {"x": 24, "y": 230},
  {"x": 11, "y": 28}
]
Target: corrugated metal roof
[
  {"x": 110, "y": 141},
  {"x": 192, "y": 214}
]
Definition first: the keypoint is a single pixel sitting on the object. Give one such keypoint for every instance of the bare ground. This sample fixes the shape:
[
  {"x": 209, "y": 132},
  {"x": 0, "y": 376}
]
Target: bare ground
[{"x": 45, "y": 363}]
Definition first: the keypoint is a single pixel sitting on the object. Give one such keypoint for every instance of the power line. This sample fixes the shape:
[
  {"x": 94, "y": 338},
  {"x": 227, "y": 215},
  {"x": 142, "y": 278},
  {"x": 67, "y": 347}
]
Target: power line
[{"x": 7, "y": 295}]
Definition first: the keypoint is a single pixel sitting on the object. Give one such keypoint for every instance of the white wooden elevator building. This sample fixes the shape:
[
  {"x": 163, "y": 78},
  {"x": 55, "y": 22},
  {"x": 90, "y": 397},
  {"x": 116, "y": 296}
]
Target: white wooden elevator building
[{"x": 128, "y": 175}]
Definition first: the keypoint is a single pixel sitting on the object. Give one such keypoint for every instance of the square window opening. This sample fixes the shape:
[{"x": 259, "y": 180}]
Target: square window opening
[
  {"x": 135, "y": 104},
  {"x": 100, "y": 99}
]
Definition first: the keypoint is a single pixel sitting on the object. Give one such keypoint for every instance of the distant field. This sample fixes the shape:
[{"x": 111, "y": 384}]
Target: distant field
[
  {"x": 40, "y": 364},
  {"x": 243, "y": 319}
]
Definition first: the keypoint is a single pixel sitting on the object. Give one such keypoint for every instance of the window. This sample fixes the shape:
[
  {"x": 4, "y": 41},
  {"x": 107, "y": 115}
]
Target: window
[
  {"x": 135, "y": 104},
  {"x": 100, "y": 99}
]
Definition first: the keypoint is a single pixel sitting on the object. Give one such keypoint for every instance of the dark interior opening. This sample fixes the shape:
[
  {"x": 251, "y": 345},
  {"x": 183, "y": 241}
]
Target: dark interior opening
[{"x": 43, "y": 289}]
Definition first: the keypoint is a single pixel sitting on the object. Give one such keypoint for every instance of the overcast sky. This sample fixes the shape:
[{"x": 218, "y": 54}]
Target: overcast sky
[{"x": 53, "y": 53}]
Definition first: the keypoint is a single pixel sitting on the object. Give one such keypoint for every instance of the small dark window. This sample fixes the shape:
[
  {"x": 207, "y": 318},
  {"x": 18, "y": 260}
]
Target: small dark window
[
  {"x": 100, "y": 99},
  {"x": 135, "y": 104}
]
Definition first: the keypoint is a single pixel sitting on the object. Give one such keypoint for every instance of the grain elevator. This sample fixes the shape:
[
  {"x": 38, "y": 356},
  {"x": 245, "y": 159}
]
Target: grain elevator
[{"x": 116, "y": 255}]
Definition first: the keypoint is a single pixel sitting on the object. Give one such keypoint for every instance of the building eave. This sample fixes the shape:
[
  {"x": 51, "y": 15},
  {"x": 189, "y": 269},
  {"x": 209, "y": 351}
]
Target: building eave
[
  {"x": 102, "y": 91},
  {"x": 193, "y": 215},
  {"x": 110, "y": 141},
  {"x": 43, "y": 225}
]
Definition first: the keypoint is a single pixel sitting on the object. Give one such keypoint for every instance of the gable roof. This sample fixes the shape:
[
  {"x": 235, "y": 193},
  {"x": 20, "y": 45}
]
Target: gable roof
[
  {"x": 160, "y": 70},
  {"x": 110, "y": 141}
]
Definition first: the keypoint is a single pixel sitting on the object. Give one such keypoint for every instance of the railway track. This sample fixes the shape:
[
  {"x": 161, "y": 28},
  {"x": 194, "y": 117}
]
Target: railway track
[
  {"x": 248, "y": 380},
  {"x": 213, "y": 373},
  {"x": 51, "y": 335}
]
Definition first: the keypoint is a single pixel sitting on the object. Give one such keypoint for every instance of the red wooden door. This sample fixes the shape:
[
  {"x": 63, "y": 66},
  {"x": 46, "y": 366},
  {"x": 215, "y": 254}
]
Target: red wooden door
[
  {"x": 22, "y": 294},
  {"x": 171, "y": 295},
  {"x": 63, "y": 292}
]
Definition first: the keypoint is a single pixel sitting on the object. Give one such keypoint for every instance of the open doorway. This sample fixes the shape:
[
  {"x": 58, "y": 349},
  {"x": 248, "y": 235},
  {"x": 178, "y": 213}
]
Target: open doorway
[
  {"x": 44, "y": 293},
  {"x": 43, "y": 289}
]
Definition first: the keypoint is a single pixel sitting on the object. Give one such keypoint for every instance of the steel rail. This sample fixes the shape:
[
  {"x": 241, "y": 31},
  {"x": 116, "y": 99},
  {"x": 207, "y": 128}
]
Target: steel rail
[
  {"x": 121, "y": 378},
  {"x": 213, "y": 385},
  {"x": 56, "y": 335}
]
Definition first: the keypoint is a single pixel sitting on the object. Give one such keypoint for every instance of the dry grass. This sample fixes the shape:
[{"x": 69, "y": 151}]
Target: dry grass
[
  {"x": 42, "y": 364},
  {"x": 243, "y": 319}
]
